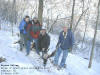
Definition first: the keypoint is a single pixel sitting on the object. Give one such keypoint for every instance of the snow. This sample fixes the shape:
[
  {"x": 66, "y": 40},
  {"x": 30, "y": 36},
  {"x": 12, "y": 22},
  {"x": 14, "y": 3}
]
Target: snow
[{"x": 76, "y": 65}]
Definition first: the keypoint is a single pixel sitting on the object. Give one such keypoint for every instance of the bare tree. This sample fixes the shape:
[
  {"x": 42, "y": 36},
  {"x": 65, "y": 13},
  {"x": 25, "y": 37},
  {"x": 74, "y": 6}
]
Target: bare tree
[
  {"x": 94, "y": 39},
  {"x": 40, "y": 11},
  {"x": 51, "y": 28},
  {"x": 83, "y": 5},
  {"x": 72, "y": 17},
  {"x": 80, "y": 19},
  {"x": 14, "y": 14},
  {"x": 86, "y": 22},
  {"x": 85, "y": 31}
]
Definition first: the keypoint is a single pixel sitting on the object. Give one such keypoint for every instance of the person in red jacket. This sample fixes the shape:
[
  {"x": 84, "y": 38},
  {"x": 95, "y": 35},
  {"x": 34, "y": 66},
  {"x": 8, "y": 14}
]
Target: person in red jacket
[{"x": 33, "y": 30}]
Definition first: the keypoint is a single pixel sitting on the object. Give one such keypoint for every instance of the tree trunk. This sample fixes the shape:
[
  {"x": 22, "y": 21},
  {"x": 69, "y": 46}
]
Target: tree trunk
[
  {"x": 93, "y": 45},
  {"x": 40, "y": 11},
  {"x": 14, "y": 14},
  {"x": 83, "y": 6},
  {"x": 86, "y": 24},
  {"x": 71, "y": 23},
  {"x": 85, "y": 31}
]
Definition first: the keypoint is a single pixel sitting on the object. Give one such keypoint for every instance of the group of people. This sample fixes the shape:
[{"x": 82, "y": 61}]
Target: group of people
[{"x": 32, "y": 30}]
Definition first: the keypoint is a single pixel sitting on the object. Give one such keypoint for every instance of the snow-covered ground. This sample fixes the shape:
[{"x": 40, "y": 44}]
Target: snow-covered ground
[{"x": 75, "y": 64}]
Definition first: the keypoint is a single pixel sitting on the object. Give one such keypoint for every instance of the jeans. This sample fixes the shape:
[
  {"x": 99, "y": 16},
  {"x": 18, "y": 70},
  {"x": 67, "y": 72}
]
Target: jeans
[
  {"x": 36, "y": 44},
  {"x": 63, "y": 60},
  {"x": 28, "y": 48}
]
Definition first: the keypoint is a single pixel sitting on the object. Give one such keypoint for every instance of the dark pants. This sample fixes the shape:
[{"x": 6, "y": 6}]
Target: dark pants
[
  {"x": 44, "y": 60},
  {"x": 23, "y": 41}
]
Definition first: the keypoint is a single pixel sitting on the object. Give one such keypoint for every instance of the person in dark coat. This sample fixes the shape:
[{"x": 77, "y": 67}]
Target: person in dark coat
[
  {"x": 43, "y": 43},
  {"x": 66, "y": 41},
  {"x": 33, "y": 30}
]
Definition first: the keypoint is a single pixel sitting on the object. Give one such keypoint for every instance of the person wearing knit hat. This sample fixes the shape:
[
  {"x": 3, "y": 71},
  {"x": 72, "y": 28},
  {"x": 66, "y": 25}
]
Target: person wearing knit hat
[
  {"x": 35, "y": 18},
  {"x": 43, "y": 43},
  {"x": 33, "y": 34}
]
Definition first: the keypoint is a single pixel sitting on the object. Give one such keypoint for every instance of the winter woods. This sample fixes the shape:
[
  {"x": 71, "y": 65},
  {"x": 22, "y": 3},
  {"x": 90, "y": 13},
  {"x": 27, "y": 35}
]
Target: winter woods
[{"x": 79, "y": 15}]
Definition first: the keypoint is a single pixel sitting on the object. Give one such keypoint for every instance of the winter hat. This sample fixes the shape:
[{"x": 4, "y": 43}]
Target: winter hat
[
  {"x": 44, "y": 26},
  {"x": 35, "y": 18},
  {"x": 27, "y": 16}
]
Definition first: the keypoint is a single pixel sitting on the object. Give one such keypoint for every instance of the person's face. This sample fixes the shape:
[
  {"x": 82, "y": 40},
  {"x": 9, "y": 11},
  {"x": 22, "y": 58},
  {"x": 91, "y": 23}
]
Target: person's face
[
  {"x": 27, "y": 19},
  {"x": 65, "y": 29},
  {"x": 43, "y": 32}
]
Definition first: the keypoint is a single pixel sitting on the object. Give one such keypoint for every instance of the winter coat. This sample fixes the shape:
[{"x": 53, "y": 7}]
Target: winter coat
[
  {"x": 67, "y": 41},
  {"x": 34, "y": 29},
  {"x": 22, "y": 27},
  {"x": 36, "y": 26},
  {"x": 43, "y": 41}
]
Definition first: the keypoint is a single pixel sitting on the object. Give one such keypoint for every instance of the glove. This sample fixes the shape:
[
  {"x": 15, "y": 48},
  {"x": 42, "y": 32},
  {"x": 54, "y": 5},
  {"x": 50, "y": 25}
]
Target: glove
[
  {"x": 70, "y": 50},
  {"x": 43, "y": 49},
  {"x": 45, "y": 56}
]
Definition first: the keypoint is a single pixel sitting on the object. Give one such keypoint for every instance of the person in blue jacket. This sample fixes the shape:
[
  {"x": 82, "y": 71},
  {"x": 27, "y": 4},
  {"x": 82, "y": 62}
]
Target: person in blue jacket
[
  {"x": 66, "y": 41},
  {"x": 23, "y": 32}
]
